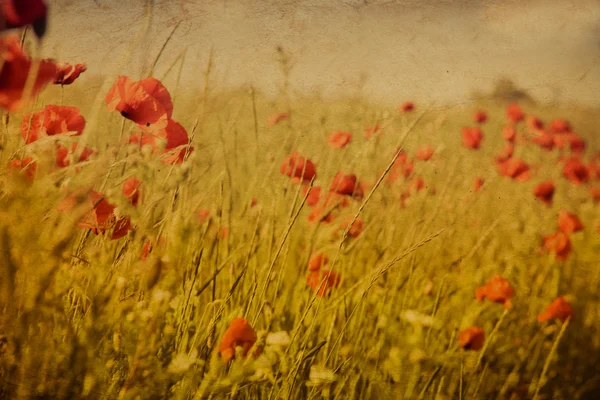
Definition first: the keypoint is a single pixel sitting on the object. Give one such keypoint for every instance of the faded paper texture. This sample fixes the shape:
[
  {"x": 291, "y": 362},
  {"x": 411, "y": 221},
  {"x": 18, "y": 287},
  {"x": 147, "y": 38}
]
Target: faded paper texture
[{"x": 299, "y": 199}]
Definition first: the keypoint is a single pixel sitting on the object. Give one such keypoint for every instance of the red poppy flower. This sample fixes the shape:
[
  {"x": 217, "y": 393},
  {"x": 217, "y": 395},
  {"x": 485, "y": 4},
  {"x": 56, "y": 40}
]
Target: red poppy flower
[
  {"x": 576, "y": 171},
  {"x": 407, "y": 106},
  {"x": 559, "y": 244},
  {"x": 203, "y": 215},
  {"x": 477, "y": 183},
  {"x": 63, "y": 155},
  {"x": 338, "y": 140},
  {"x": 68, "y": 73},
  {"x": 576, "y": 144},
  {"x": 277, "y": 118},
  {"x": 239, "y": 334},
  {"x": 559, "y": 125},
  {"x": 101, "y": 217},
  {"x": 316, "y": 261},
  {"x": 506, "y": 154},
  {"x": 595, "y": 193},
  {"x": 356, "y": 228},
  {"x": 534, "y": 124},
  {"x": 146, "y": 249},
  {"x": 52, "y": 120},
  {"x": 253, "y": 202},
  {"x": 544, "y": 191},
  {"x": 416, "y": 185},
  {"x": 514, "y": 113},
  {"x": 425, "y": 152},
  {"x": 558, "y": 309},
  {"x": 471, "y": 338},
  {"x": 401, "y": 167},
  {"x": 497, "y": 289},
  {"x": 544, "y": 139},
  {"x": 322, "y": 214},
  {"x": 345, "y": 184},
  {"x": 26, "y": 165},
  {"x": 509, "y": 133},
  {"x": 298, "y": 168},
  {"x": 323, "y": 281},
  {"x": 480, "y": 117},
  {"x": 313, "y": 196},
  {"x": 132, "y": 190},
  {"x": 19, "y": 13},
  {"x": 173, "y": 136},
  {"x": 471, "y": 138},
  {"x": 514, "y": 168},
  {"x": 146, "y": 102},
  {"x": 569, "y": 223},
  {"x": 15, "y": 68},
  {"x": 371, "y": 131}
]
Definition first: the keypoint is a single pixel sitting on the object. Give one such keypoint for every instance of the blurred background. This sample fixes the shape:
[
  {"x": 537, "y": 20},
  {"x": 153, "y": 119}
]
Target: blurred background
[{"x": 440, "y": 51}]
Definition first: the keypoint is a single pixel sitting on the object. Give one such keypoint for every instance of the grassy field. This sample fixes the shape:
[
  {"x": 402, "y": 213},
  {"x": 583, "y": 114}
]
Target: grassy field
[{"x": 84, "y": 316}]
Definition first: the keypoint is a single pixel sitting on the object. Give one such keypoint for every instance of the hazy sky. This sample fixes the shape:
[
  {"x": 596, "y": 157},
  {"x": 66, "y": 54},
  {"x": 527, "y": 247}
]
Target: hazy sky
[{"x": 409, "y": 49}]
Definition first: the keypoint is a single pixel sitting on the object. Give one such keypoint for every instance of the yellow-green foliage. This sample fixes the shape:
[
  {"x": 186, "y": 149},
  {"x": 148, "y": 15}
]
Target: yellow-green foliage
[{"x": 82, "y": 316}]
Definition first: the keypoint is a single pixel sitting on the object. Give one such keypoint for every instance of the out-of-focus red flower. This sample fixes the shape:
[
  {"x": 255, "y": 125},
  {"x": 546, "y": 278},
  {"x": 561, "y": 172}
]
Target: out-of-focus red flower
[
  {"x": 506, "y": 153},
  {"x": 63, "y": 154},
  {"x": 355, "y": 229},
  {"x": 480, "y": 116},
  {"x": 595, "y": 193},
  {"x": 559, "y": 244},
  {"x": 472, "y": 137},
  {"x": 576, "y": 144},
  {"x": 371, "y": 131},
  {"x": 224, "y": 232},
  {"x": 101, "y": 216},
  {"x": 322, "y": 214},
  {"x": 277, "y": 118},
  {"x": 569, "y": 223},
  {"x": 146, "y": 249},
  {"x": 559, "y": 125},
  {"x": 558, "y": 309},
  {"x": 576, "y": 171},
  {"x": 146, "y": 102},
  {"x": 15, "y": 68},
  {"x": 402, "y": 167},
  {"x": 323, "y": 281},
  {"x": 52, "y": 120},
  {"x": 203, "y": 215},
  {"x": 477, "y": 183},
  {"x": 316, "y": 261},
  {"x": 26, "y": 166},
  {"x": 313, "y": 196},
  {"x": 534, "y": 124},
  {"x": 68, "y": 73},
  {"x": 497, "y": 289},
  {"x": 544, "y": 139},
  {"x": 407, "y": 106},
  {"x": 515, "y": 168},
  {"x": 471, "y": 338},
  {"x": 416, "y": 185},
  {"x": 425, "y": 152},
  {"x": 544, "y": 191},
  {"x": 338, "y": 140},
  {"x": 298, "y": 168},
  {"x": 132, "y": 190},
  {"x": 346, "y": 184},
  {"x": 239, "y": 334},
  {"x": 514, "y": 113},
  {"x": 20, "y": 13},
  {"x": 509, "y": 133}
]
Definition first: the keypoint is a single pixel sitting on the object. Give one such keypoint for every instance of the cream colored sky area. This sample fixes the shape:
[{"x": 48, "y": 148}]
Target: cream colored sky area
[{"x": 423, "y": 50}]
